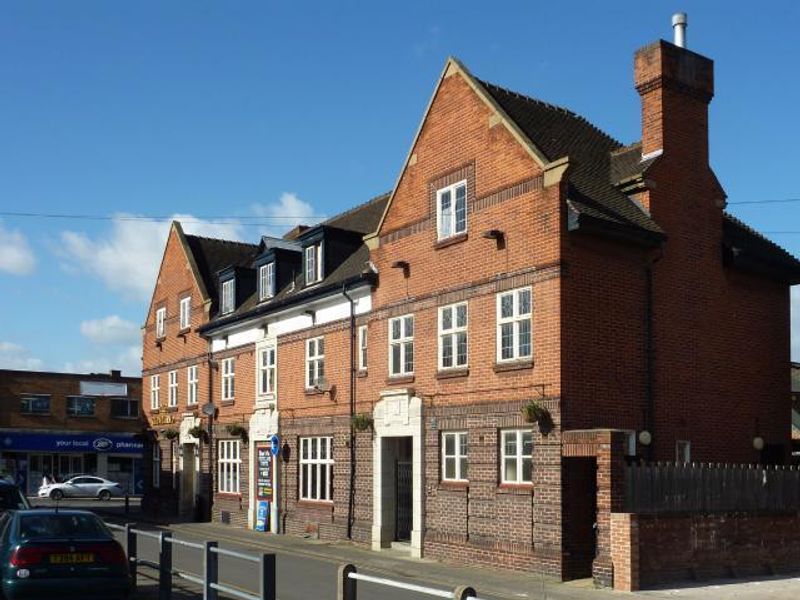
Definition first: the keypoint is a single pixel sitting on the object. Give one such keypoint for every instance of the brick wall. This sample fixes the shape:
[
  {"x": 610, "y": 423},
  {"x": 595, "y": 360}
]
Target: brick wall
[
  {"x": 59, "y": 386},
  {"x": 655, "y": 549}
]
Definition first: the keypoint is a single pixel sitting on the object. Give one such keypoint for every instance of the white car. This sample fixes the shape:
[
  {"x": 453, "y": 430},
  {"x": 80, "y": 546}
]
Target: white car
[{"x": 81, "y": 486}]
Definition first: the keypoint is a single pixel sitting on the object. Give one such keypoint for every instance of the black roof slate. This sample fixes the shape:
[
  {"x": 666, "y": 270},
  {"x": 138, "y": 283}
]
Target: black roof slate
[
  {"x": 558, "y": 132},
  {"x": 362, "y": 219},
  {"x": 212, "y": 255}
]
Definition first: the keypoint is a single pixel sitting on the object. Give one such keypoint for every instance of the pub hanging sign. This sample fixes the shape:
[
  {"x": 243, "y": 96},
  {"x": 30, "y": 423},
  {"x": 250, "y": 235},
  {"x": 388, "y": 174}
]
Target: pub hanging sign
[{"x": 264, "y": 473}]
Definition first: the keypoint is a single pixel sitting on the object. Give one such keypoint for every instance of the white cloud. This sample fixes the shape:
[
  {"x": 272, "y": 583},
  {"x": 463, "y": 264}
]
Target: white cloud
[
  {"x": 126, "y": 259},
  {"x": 128, "y": 361},
  {"x": 16, "y": 256},
  {"x": 14, "y": 356},
  {"x": 287, "y": 212},
  {"x": 111, "y": 330},
  {"x": 796, "y": 323}
]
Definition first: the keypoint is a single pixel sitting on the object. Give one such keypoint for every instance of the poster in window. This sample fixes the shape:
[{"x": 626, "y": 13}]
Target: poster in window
[{"x": 264, "y": 473}]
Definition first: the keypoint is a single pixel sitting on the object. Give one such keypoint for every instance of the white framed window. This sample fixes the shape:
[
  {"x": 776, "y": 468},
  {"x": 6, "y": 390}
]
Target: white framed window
[
  {"x": 514, "y": 325},
  {"x": 454, "y": 456},
  {"x": 185, "y": 312},
  {"x": 683, "y": 451},
  {"x": 266, "y": 281},
  {"x": 161, "y": 319},
  {"x": 313, "y": 268},
  {"x": 516, "y": 461},
  {"x": 155, "y": 388},
  {"x": 228, "y": 378},
  {"x": 173, "y": 388},
  {"x": 156, "y": 465},
  {"x": 191, "y": 385},
  {"x": 228, "y": 296},
  {"x": 401, "y": 345},
  {"x": 453, "y": 336},
  {"x": 228, "y": 461},
  {"x": 451, "y": 210},
  {"x": 362, "y": 348},
  {"x": 266, "y": 373},
  {"x": 316, "y": 468},
  {"x": 315, "y": 361}
]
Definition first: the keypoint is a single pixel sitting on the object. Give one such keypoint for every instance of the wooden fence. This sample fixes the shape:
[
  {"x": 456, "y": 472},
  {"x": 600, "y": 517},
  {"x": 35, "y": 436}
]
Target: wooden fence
[{"x": 710, "y": 488}]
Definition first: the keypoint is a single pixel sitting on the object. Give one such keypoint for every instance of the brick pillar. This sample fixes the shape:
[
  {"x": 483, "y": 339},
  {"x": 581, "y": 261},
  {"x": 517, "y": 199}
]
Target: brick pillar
[
  {"x": 610, "y": 499},
  {"x": 625, "y": 551}
]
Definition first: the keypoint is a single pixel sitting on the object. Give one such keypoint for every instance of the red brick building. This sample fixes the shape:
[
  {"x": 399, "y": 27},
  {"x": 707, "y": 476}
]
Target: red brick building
[{"x": 525, "y": 260}]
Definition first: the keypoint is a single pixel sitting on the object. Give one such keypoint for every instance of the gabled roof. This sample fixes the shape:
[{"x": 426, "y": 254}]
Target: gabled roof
[{"x": 550, "y": 133}]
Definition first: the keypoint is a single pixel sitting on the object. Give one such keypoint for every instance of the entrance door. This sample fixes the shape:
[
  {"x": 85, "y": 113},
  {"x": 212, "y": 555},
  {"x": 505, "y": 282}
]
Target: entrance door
[
  {"x": 403, "y": 487},
  {"x": 580, "y": 516},
  {"x": 187, "y": 479}
]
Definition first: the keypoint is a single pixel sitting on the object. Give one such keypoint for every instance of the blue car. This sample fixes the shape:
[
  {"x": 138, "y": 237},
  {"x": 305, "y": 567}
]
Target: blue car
[{"x": 60, "y": 553}]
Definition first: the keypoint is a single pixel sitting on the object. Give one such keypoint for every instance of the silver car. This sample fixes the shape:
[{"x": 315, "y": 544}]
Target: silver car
[{"x": 81, "y": 486}]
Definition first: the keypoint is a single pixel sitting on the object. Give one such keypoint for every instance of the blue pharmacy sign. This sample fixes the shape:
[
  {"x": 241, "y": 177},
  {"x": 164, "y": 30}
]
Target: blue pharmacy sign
[{"x": 70, "y": 442}]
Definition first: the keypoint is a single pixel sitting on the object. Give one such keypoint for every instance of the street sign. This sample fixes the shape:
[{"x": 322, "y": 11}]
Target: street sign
[{"x": 275, "y": 445}]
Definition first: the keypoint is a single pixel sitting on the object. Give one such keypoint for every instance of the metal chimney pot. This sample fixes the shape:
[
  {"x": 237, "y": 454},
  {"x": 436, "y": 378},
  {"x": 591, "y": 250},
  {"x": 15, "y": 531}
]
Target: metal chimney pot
[{"x": 679, "y": 24}]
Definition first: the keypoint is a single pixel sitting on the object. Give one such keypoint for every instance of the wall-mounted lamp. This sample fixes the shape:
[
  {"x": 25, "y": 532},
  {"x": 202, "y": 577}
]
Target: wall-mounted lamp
[
  {"x": 402, "y": 264},
  {"x": 496, "y": 235},
  {"x": 758, "y": 443},
  {"x": 645, "y": 438}
]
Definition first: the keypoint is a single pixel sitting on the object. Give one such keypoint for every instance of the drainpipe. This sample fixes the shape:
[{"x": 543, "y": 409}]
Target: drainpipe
[
  {"x": 649, "y": 358},
  {"x": 352, "y": 491},
  {"x": 210, "y": 509}
]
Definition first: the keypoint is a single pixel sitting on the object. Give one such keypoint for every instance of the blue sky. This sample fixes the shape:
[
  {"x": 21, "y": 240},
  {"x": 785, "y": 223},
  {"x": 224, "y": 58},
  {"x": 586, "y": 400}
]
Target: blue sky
[{"x": 258, "y": 110}]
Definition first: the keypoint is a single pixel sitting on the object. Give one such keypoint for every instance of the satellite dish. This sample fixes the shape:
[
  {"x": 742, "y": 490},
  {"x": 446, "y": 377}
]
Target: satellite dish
[
  {"x": 209, "y": 409},
  {"x": 322, "y": 385}
]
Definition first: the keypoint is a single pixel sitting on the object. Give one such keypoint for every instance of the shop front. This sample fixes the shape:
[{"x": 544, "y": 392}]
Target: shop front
[{"x": 27, "y": 457}]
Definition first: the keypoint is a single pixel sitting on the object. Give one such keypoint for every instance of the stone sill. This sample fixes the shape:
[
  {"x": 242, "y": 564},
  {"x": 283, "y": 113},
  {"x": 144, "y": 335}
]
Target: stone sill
[
  {"x": 452, "y": 373},
  {"x": 400, "y": 380},
  {"x": 450, "y": 241},
  {"x": 513, "y": 365}
]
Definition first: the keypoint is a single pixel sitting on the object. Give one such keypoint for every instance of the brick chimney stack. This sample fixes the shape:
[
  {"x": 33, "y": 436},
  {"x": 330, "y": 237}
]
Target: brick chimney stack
[{"x": 676, "y": 86}]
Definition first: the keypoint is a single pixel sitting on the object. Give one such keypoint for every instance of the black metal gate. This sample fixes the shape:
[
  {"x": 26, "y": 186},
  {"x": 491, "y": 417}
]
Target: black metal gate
[{"x": 403, "y": 497}]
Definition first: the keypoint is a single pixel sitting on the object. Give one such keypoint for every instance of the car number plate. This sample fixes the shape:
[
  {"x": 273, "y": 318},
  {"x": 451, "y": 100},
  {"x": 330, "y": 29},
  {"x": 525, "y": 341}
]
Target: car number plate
[{"x": 72, "y": 558}]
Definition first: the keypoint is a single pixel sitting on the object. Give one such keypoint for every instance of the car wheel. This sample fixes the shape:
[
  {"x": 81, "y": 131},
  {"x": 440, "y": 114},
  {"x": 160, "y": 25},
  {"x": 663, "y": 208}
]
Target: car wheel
[
  {"x": 56, "y": 495},
  {"x": 104, "y": 495}
]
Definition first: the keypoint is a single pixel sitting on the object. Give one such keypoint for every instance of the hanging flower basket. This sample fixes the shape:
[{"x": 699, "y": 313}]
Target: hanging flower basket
[
  {"x": 171, "y": 434},
  {"x": 236, "y": 430},
  {"x": 533, "y": 412},
  {"x": 362, "y": 422},
  {"x": 197, "y": 432}
]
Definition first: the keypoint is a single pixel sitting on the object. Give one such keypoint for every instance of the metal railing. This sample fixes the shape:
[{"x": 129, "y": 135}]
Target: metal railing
[
  {"x": 348, "y": 578},
  {"x": 209, "y": 579}
]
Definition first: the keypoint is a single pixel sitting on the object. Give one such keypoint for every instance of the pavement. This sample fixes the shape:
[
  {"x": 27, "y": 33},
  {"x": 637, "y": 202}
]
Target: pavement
[{"x": 306, "y": 569}]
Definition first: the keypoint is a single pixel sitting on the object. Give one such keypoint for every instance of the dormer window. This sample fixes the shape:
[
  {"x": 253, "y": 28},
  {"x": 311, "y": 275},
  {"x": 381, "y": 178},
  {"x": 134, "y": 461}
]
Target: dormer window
[
  {"x": 451, "y": 210},
  {"x": 228, "y": 295},
  {"x": 313, "y": 266},
  {"x": 161, "y": 318},
  {"x": 266, "y": 281}
]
